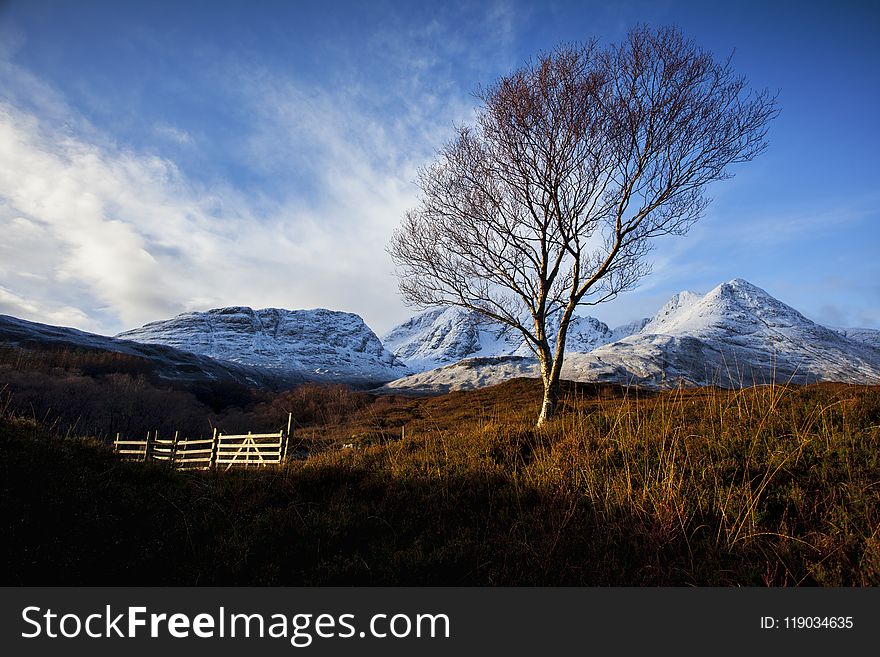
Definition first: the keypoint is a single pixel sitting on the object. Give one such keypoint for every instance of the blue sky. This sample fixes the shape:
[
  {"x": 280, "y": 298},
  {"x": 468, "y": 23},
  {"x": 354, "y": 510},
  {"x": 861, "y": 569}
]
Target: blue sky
[{"x": 158, "y": 157}]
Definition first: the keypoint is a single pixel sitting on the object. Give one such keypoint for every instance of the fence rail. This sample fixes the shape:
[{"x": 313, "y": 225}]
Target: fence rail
[{"x": 228, "y": 450}]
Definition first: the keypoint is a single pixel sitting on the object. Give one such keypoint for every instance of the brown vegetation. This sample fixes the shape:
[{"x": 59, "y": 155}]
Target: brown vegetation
[
  {"x": 98, "y": 393},
  {"x": 776, "y": 485}
]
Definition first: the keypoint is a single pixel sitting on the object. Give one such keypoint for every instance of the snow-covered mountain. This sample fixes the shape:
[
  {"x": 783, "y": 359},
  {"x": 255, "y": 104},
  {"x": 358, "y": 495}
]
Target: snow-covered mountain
[
  {"x": 444, "y": 336},
  {"x": 670, "y": 310},
  {"x": 164, "y": 361},
  {"x": 315, "y": 345},
  {"x": 735, "y": 335},
  {"x": 441, "y": 336}
]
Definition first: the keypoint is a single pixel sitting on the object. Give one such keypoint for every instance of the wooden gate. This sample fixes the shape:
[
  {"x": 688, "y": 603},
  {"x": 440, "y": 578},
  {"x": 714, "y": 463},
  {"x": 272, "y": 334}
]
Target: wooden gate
[
  {"x": 221, "y": 450},
  {"x": 250, "y": 449}
]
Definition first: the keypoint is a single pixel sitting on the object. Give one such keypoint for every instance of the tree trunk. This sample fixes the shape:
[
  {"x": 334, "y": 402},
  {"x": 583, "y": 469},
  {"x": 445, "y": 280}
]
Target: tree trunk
[
  {"x": 551, "y": 397},
  {"x": 551, "y": 367}
]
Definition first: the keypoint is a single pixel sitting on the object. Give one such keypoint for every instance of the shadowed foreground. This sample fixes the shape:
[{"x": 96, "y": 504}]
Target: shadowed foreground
[{"x": 766, "y": 486}]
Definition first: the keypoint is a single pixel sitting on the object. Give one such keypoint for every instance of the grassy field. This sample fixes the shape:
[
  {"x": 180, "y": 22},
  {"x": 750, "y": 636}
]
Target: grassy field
[{"x": 777, "y": 485}]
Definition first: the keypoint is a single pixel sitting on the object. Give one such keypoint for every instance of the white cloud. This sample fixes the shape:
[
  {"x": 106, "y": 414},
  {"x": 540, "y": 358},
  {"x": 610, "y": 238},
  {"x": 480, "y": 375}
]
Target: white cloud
[
  {"x": 142, "y": 242},
  {"x": 105, "y": 238},
  {"x": 173, "y": 134},
  {"x": 17, "y": 306}
]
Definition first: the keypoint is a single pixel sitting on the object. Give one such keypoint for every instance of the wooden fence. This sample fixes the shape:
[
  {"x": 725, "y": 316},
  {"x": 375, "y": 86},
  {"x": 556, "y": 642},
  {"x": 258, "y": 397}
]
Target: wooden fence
[{"x": 221, "y": 450}]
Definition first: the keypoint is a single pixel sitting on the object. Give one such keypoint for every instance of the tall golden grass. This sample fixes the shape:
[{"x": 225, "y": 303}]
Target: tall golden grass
[
  {"x": 788, "y": 475},
  {"x": 769, "y": 485}
]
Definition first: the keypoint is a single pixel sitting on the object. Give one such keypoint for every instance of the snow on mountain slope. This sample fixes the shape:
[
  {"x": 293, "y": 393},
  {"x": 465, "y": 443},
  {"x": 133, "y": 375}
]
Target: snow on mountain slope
[
  {"x": 585, "y": 333},
  {"x": 466, "y": 374},
  {"x": 735, "y": 335},
  {"x": 443, "y": 336},
  {"x": 625, "y": 330},
  {"x": 446, "y": 335},
  {"x": 317, "y": 345},
  {"x": 166, "y": 362},
  {"x": 672, "y": 309},
  {"x": 870, "y": 337}
]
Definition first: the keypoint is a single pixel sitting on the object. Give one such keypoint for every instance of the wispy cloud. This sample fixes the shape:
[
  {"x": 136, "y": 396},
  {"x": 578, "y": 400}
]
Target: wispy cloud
[
  {"x": 272, "y": 186},
  {"x": 17, "y": 306},
  {"x": 141, "y": 241},
  {"x": 770, "y": 227},
  {"x": 173, "y": 134},
  {"x": 106, "y": 237}
]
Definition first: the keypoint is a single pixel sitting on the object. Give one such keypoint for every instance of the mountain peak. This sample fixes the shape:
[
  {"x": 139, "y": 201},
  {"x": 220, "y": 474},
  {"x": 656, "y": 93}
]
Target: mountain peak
[
  {"x": 741, "y": 283},
  {"x": 742, "y": 287},
  {"x": 737, "y": 334},
  {"x": 446, "y": 335},
  {"x": 318, "y": 344}
]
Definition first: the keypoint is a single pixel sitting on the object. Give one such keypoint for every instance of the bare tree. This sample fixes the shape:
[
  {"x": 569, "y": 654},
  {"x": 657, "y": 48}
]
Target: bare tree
[{"x": 576, "y": 162}]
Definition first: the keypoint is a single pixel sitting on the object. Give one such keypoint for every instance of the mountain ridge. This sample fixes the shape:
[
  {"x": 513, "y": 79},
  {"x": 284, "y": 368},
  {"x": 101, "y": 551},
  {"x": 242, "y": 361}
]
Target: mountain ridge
[
  {"x": 443, "y": 336},
  {"x": 316, "y": 345},
  {"x": 736, "y": 334},
  {"x": 168, "y": 363}
]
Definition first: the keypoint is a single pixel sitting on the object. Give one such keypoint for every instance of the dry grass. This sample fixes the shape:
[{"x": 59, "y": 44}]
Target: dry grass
[{"x": 774, "y": 485}]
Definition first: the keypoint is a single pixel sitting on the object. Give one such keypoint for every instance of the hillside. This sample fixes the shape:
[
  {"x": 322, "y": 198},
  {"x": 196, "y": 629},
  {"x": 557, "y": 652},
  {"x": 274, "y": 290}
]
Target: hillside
[
  {"x": 163, "y": 361},
  {"x": 767, "y": 486}
]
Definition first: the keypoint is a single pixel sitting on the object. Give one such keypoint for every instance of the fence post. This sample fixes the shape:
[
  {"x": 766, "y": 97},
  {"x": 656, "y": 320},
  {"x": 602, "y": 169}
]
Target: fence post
[
  {"x": 147, "y": 448},
  {"x": 214, "y": 445},
  {"x": 116, "y": 443},
  {"x": 287, "y": 435},
  {"x": 174, "y": 449}
]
